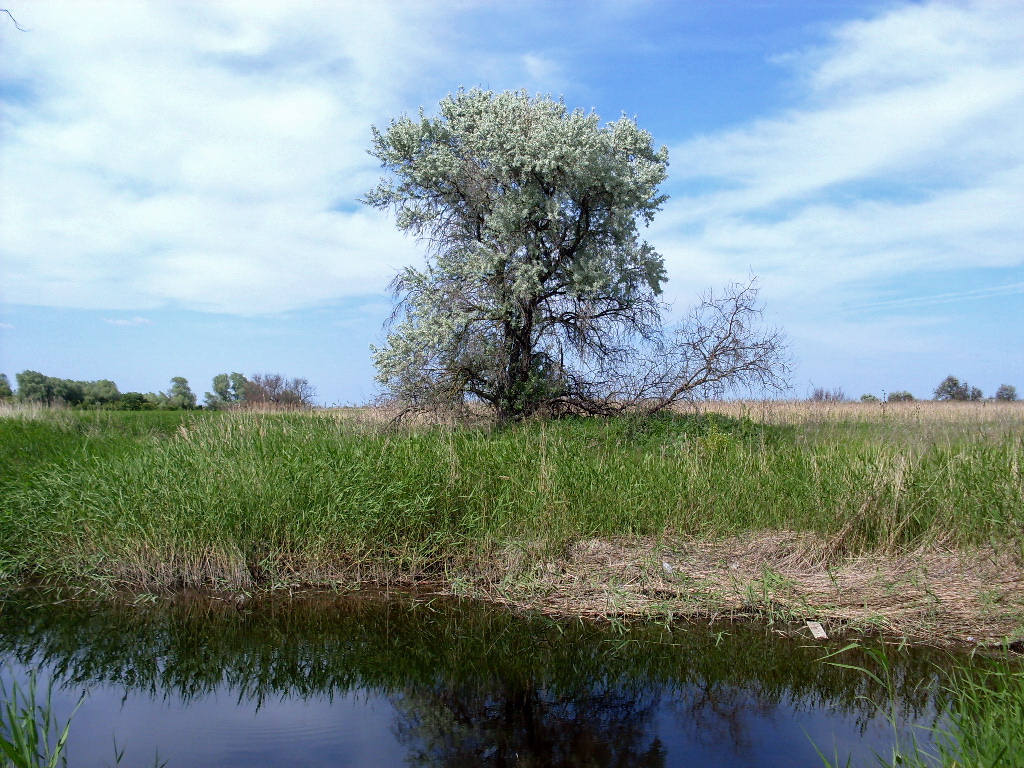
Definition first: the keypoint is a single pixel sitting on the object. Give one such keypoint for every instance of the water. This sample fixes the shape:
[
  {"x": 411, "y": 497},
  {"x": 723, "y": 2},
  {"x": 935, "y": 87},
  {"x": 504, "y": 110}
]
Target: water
[{"x": 328, "y": 681}]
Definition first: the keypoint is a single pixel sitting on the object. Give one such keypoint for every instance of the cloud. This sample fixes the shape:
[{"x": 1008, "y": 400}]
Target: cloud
[
  {"x": 132, "y": 321},
  {"x": 544, "y": 70},
  {"x": 946, "y": 298},
  {"x": 209, "y": 156},
  {"x": 902, "y": 157},
  {"x": 204, "y": 156},
  {"x": 6, "y": 327}
]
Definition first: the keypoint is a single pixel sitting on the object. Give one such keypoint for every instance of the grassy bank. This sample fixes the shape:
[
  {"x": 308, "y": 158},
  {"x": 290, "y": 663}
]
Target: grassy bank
[{"x": 237, "y": 500}]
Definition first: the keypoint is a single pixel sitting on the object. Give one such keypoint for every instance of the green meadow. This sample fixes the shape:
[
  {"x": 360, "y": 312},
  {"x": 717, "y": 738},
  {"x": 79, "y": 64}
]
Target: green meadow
[{"x": 241, "y": 499}]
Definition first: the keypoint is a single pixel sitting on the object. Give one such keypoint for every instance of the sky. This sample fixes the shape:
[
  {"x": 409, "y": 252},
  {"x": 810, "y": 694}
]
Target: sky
[{"x": 179, "y": 181}]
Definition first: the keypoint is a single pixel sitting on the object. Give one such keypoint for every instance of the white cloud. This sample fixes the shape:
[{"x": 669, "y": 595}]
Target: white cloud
[
  {"x": 905, "y": 158},
  {"x": 1011, "y": 289},
  {"x": 203, "y": 155},
  {"x": 128, "y": 322},
  {"x": 6, "y": 327},
  {"x": 543, "y": 69},
  {"x": 208, "y": 155}
]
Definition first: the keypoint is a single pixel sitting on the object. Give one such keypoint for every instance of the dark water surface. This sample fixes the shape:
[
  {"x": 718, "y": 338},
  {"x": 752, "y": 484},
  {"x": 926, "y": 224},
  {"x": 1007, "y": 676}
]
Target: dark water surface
[{"x": 328, "y": 681}]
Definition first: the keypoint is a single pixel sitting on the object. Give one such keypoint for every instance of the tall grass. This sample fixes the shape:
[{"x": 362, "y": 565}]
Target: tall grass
[
  {"x": 241, "y": 498},
  {"x": 979, "y": 725},
  {"x": 30, "y": 736}
]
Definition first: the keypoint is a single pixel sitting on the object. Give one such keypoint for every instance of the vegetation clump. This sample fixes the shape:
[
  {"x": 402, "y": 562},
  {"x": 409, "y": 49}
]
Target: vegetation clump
[
  {"x": 1006, "y": 393},
  {"x": 900, "y": 397},
  {"x": 951, "y": 388},
  {"x": 267, "y": 390},
  {"x": 823, "y": 395}
]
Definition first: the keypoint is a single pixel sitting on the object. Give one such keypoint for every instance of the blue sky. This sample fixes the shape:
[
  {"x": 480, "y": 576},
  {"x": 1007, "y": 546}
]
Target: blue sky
[{"x": 179, "y": 180}]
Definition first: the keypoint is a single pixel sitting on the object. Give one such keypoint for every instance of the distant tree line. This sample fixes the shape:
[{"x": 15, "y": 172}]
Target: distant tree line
[
  {"x": 229, "y": 391},
  {"x": 233, "y": 390},
  {"x": 950, "y": 389}
]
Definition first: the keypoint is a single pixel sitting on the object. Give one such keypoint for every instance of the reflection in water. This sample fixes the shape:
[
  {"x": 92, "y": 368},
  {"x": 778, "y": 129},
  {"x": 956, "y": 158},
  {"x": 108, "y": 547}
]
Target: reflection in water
[
  {"x": 466, "y": 684},
  {"x": 528, "y": 726}
]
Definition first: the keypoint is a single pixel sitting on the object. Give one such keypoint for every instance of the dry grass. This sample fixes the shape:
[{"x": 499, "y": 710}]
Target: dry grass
[
  {"x": 778, "y": 412},
  {"x": 912, "y": 414},
  {"x": 934, "y": 596}
]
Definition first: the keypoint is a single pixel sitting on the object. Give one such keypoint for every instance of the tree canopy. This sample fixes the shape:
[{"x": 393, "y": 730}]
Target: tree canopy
[
  {"x": 1006, "y": 392},
  {"x": 538, "y": 288},
  {"x": 228, "y": 389},
  {"x": 273, "y": 389},
  {"x": 951, "y": 388},
  {"x": 35, "y": 387}
]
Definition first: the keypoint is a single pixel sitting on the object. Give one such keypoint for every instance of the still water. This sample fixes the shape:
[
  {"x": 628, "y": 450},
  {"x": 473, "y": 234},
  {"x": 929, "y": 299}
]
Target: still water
[{"x": 323, "y": 680}]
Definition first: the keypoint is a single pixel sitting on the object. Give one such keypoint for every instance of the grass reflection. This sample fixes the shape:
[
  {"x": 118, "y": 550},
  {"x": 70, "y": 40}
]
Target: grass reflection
[{"x": 318, "y": 645}]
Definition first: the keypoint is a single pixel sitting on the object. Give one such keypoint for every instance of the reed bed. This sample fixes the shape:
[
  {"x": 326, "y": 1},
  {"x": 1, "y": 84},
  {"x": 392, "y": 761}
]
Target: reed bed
[{"x": 246, "y": 499}]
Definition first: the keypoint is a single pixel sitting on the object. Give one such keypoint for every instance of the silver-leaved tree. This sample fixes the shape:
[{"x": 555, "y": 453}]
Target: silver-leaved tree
[{"x": 538, "y": 293}]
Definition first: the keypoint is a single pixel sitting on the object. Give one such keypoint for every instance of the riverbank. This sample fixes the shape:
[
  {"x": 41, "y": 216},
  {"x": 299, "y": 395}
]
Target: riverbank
[
  {"x": 901, "y": 519},
  {"x": 937, "y": 597}
]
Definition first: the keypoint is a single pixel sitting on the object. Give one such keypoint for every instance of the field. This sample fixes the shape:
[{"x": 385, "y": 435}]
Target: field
[{"x": 907, "y": 518}]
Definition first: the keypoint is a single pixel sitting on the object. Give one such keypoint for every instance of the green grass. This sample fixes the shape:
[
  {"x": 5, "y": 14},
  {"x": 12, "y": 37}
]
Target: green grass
[
  {"x": 986, "y": 721},
  {"x": 29, "y": 734},
  {"x": 176, "y": 498},
  {"x": 979, "y": 723}
]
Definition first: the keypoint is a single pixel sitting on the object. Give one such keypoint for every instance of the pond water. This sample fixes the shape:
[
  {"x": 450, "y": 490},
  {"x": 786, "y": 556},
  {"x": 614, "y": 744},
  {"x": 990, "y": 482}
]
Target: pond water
[{"x": 322, "y": 680}]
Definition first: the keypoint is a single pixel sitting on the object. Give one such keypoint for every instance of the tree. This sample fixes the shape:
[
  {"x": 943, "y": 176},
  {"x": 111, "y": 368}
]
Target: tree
[
  {"x": 1006, "y": 392},
  {"x": 900, "y": 397},
  {"x": 180, "y": 395},
  {"x": 822, "y": 395},
  {"x": 157, "y": 400},
  {"x": 538, "y": 291},
  {"x": 228, "y": 389},
  {"x": 32, "y": 387},
  {"x": 6, "y": 393},
  {"x": 100, "y": 392},
  {"x": 951, "y": 389},
  {"x": 134, "y": 401},
  {"x": 274, "y": 389},
  {"x": 869, "y": 398}
]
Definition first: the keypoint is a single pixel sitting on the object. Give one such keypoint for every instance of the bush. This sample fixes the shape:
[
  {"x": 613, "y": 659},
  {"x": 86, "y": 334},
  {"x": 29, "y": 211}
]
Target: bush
[
  {"x": 952, "y": 389},
  {"x": 900, "y": 397},
  {"x": 275, "y": 390},
  {"x": 822, "y": 395},
  {"x": 1006, "y": 392}
]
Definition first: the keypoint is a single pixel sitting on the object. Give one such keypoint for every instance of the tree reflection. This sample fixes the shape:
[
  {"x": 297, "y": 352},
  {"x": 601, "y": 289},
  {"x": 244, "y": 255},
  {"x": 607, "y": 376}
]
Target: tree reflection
[
  {"x": 472, "y": 685},
  {"x": 713, "y": 713},
  {"x": 525, "y": 725}
]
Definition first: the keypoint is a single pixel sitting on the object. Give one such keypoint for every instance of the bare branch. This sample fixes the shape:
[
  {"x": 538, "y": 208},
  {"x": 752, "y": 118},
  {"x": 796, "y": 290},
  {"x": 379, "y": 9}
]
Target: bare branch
[{"x": 17, "y": 26}]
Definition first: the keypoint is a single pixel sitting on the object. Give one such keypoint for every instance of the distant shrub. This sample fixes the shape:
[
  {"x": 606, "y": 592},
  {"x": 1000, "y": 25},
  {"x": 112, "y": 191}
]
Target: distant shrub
[
  {"x": 1006, "y": 392},
  {"x": 275, "y": 390},
  {"x": 900, "y": 397},
  {"x": 134, "y": 401},
  {"x": 822, "y": 395},
  {"x": 869, "y": 398},
  {"x": 952, "y": 389}
]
